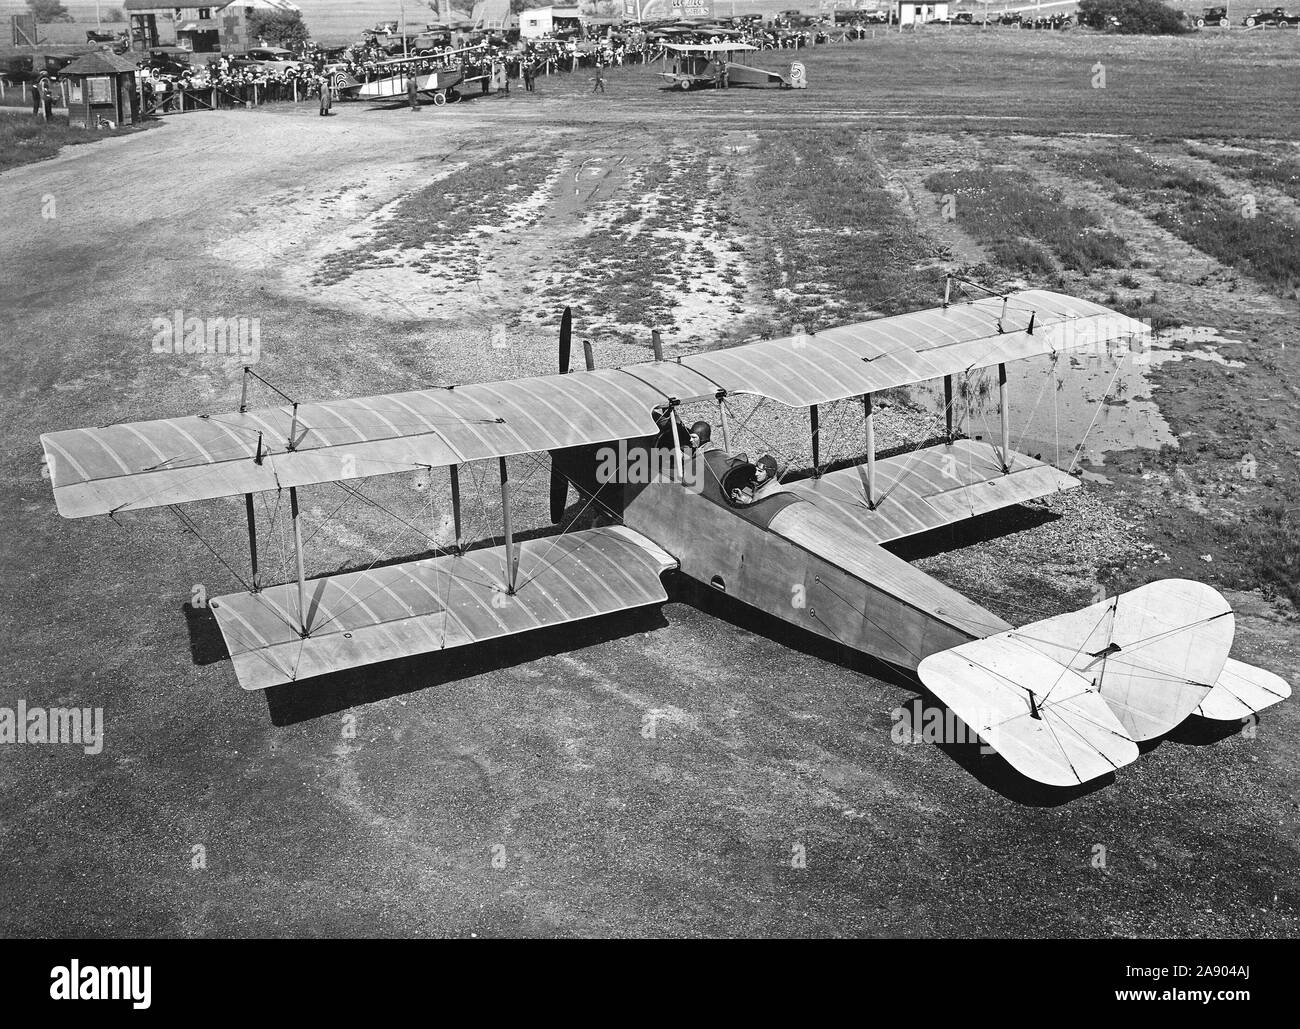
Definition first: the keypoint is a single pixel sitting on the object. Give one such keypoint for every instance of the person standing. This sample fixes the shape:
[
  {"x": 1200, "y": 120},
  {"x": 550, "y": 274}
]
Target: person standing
[
  {"x": 326, "y": 97},
  {"x": 599, "y": 86},
  {"x": 412, "y": 91},
  {"x": 43, "y": 97}
]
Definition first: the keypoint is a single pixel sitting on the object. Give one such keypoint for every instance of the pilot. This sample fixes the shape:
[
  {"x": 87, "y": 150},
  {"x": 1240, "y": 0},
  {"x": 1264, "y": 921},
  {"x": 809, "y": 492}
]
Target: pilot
[
  {"x": 701, "y": 438},
  {"x": 763, "y": 484}
]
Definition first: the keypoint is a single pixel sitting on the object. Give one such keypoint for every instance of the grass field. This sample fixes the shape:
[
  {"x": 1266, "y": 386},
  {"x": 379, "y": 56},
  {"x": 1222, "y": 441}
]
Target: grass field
[{"x": 383, "y": 250}]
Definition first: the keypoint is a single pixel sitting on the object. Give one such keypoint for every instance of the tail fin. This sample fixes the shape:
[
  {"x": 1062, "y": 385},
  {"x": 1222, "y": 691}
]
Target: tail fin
[{"x": 1065, "y": 699}]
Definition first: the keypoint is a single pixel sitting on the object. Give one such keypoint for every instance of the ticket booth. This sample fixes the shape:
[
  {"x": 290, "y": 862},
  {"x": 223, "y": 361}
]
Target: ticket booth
[{"x": 100, "y": 87}]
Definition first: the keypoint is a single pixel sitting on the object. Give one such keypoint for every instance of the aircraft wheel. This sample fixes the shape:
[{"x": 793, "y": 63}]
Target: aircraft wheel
[
  {"x": 439, "y": 99},
  {"x": 684, "y": 85}
]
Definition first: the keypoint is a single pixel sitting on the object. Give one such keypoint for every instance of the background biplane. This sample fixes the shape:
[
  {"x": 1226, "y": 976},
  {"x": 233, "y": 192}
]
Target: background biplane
[
  {"x": 438, "y": 83},
  {"x": 1064, "y": 700},
  {"x": 708, "y": 65}
]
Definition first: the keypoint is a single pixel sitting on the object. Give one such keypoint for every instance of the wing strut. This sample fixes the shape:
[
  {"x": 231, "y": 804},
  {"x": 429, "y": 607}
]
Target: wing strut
[
  {"x": 252, "y": 541},
  {"x": 1006, "y": 418},
  {"x": 870, "y": 418},
  {"x": 297, "y": 553},
  {"x": 816, "y": 443},
  {"x": 722, "y": 417},
  {"x": 512, "y": 555},
  {"x": 455, "y": 505}
]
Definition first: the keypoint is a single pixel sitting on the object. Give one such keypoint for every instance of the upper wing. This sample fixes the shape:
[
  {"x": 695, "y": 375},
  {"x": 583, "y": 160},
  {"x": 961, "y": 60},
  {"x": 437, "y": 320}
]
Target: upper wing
[
  {"x": 201, "y": 457},
  {"x": 177, "y": 460},
  {"x": 835, "y": 364}
]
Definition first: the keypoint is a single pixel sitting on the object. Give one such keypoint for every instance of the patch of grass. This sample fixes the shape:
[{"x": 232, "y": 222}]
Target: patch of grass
[
  {"x": 24, "y": 139},
  {"x": 444, "y": 214},
  {"x": 836, "y": 244},
  {"x": 1271, "y": 541},
  {"x": 1260, "y": 169},
  {"x": 1131, "y": 169},
  {"x": 1264, "y": 247},
  {"x": 633, "y": 269},
  {"x": 1011, "y": 213},
  {"x": 1151, "y": 309},
  {"x": 1200, "y": 213},
  {"x": 1023, "y": 256}
]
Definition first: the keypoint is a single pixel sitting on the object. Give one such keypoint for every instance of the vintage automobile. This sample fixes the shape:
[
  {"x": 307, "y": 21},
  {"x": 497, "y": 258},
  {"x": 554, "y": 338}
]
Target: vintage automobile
[
  {"x": 169, "y": 60},
  {"x": 1278, "y": 18},
  {"x": 267, "y": 58},
  {"x": 1213, "y": 16},
  {"x": 19, "y": 69}
]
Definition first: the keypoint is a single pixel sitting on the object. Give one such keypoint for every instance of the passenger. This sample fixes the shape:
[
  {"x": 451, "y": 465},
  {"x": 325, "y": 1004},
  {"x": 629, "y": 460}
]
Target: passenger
[{"x": 763, "y": 484}]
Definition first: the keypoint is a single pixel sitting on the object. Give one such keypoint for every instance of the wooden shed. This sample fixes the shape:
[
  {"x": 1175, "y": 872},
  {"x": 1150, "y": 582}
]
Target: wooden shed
[{"x": 101, "y": 86}]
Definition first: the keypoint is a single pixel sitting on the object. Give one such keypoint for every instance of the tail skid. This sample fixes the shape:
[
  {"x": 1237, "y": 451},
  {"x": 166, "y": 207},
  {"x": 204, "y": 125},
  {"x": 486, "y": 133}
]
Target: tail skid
[{"x": 1067, "y": 699}]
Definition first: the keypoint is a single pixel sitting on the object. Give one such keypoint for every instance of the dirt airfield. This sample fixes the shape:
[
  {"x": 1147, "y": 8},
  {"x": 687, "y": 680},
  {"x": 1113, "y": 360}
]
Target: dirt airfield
[{"x": 686, "y": 771}]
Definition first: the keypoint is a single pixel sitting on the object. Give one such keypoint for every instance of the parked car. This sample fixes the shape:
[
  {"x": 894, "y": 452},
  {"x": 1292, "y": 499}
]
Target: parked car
[
  {"x": 169, "y": 60},
  {"x": 270, "y": 58},
  {"x": 1278, "y": 18},
  {"x": 1213, "y": 16}
]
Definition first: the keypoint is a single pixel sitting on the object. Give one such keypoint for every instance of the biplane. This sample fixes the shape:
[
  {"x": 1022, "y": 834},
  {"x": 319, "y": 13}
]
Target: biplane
[
  {"x": 439, "y": 83},
  {"x": 710, "y": 65},
  {"x": 1064, "y": 699}
]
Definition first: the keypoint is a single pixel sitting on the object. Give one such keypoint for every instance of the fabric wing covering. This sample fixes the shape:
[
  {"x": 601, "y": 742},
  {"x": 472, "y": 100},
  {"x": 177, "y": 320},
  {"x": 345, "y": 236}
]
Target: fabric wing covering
[
  {"x": 177, "y": 460},
  {"x": 1067, "y": 699},
  {"x": 365, "y": 617},
  {"x": 932, "y": 487}
]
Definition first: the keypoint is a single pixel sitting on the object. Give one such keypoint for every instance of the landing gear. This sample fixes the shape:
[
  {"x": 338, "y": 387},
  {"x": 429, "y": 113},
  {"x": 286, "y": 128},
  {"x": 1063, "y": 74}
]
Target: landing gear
[{"x": 439, "y": 99}]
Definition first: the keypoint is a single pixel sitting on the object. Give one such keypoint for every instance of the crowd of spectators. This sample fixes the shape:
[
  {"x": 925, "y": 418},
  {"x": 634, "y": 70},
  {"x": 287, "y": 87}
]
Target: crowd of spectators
[{"x": 236, "y": 81}]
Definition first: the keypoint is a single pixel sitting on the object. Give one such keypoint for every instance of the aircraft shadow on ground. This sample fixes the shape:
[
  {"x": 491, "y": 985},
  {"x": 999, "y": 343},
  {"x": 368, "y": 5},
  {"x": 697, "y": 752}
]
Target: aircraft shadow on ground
[
  {"x": 990, "y": 768},
  {"x": 329, "y": 694}
]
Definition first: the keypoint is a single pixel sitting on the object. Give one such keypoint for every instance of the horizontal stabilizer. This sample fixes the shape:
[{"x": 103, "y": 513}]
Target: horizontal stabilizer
[
  {"x": 1152, "y": 653},
  {"x": 1242, "y": 690},
  {"x": 1146, "y": 658},
  {"x": 362, "y": 618},
  {"x": 1057, "y": 731},
  {"x": 932, "y": 487}
]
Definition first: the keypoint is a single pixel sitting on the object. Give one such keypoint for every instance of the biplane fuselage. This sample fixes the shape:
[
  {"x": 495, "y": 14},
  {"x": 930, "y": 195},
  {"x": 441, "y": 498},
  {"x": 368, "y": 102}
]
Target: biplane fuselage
[{"x": 791, "y": 561}]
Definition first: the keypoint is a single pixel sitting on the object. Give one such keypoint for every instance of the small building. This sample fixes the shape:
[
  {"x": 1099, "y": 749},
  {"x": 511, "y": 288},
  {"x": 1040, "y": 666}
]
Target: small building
[
  {"x": 546, "y": 21},
  {"x": 912, "y": 13},
  {"x": 208, "y": 29},
  {"x": 100, "y": 86}
]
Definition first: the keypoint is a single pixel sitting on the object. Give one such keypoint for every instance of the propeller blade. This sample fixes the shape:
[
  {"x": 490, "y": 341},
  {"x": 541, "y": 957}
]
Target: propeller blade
[{"x": 566, "y": 339}]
